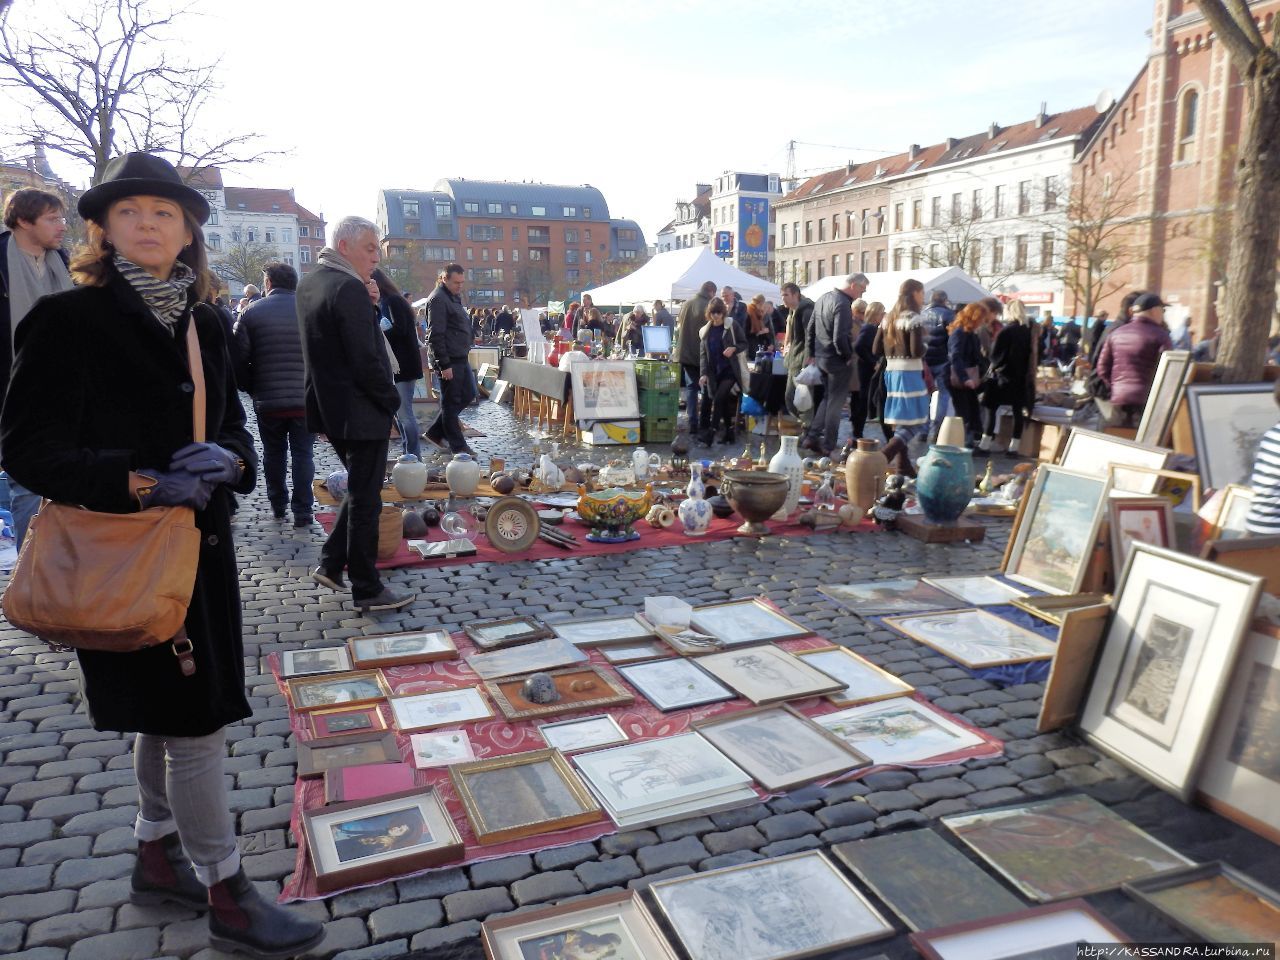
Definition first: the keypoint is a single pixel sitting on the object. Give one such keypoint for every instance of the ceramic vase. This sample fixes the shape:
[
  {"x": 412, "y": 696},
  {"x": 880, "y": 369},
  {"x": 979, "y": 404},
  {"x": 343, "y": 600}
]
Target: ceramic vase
[
  {"x": 952, "y": 432},
  {"x": 695, "y": 512},
  {"x": 462, "y": 475},
  {"x": 944, "y": 484},
  {"x": 864, "y": 474},
  {"x": 409, "y": 476},
  {"x": 640, "y": 464},
  {"x": 788, "y": 463}
]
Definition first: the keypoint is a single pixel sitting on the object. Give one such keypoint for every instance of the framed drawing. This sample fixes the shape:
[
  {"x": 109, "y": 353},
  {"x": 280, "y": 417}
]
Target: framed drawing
[
  {"x": 582, "y": 733},
  {"x": 976, "y": 591},
  {"x": 675, "y": 684},
  {"x": 361, "y": 841},
  {"x": 1141, "y": 519},
  {"x": 526, "y": 658},
  {"x": 608, "y": 925},
  {"x": 331, "y": 689},
  {"x": 899, "y": 731},
  {"x": 765, "y": 910},
  {"x": 395, "y": 650},
  {"x": 780, "y": 748},
  {"x": 440, "y": 749},
  {"x": 1165, "y": 663},
  {"x": 1229, "y": 523},
  {"x": 424, "y": 711},
  {"x": 1045, "y": 933},
  {"x": 1051, "y": 547},
  {"x": 341, "y": 721},
  {"x": 1213, "y": 903},
  {"x": 975, "y": 638},
  {"x": 1172, "y": 373},
  {"x": 590, "y": 633},
  {"x": 1078, "y": 638},
  {"x": 522, "y": 795},
  {"x": 863, "y": 681},
  {"x": 635, "y": 652},
  {"x": 505, "y": 632},
  {"x": 925, "y": 880},
  {"x": 1053, "y": 609},
  {"x": 1227, "y": 424},
  {"x": 315, "y": 756},
  {"x": 738, "y": 622},
  {"x": 1088, "y": 451},
  {"x": 604, "y": 390},
  {"x": 1241, "y": 776},
  {"x": 1011, "y": 840},
  {"x": 768, "y": 674},
  {"x": 580, "y": 688},
  {"x": 305, "y": 663},
  {"x": 877, "y": 597}
]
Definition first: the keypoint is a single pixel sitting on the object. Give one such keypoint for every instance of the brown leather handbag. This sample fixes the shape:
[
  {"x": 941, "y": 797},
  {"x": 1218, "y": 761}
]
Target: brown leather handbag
[{"x": 110, "y": 581}]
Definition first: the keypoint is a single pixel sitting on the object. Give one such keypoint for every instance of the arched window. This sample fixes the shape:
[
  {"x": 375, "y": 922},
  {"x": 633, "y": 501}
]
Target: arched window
[{"x": 1188, "y": 119}]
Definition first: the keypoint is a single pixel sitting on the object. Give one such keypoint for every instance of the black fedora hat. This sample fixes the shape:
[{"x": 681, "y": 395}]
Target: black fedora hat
[{"x": 140, "y": 175}]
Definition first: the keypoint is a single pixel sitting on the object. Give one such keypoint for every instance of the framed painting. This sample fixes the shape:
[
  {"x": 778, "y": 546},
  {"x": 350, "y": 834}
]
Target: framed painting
[
  {"x": 305, "y": 663},
  {"x": 590, "y": 633},
  {"x": 765, "y": 910},
  {"x": 1141, "y": 520},
  {"x": 1053, "y": 609},
  {"x": 332, "y": 689},
  {"x": 738, "y": 622},
  {"x": 604, "y": 390},
  {"x": 900, "y": 731},
  {"x": 925, "y": 880},
  {"x": 675, "y": 684},
  {"x": 440, "y": 749},
  {"x": 1213, "y": 903},
  {"x": 505, "y": 632},
  {"x": 1093, "y": 849},
  {"x": 975, "y": 638},
  {"x": 582, "y": 733},
  {"x": 1051, "y": 547},
  {"x": 317, "y": 756},
  {"x": 394, "y": 650},
  {"x": 360, "y": 842},
  {"x": 526, "y": 658},
  {"x": 1165, "y": 663},
  {"x": 768, "y": 674},
  {"x": 1241, "y": 776},
  {"x": 1172, "y": 373},
  {"x": 342, "y": 721},
  {"x": 1081, "y": 631},
  {"x": 1049, "y": 932},
  {"x": 875, "y": 598},
  {"x": 1227, "y": 424},
  {"x": 1229, "y": 522},
  {"x": 1094, "y": 453},
  {"x": 635, "y": 652},
  {"x": 613, "y": 925},
  {"x": 580, "y": 688},
  {"x": 863, "y": 681},
  {"x": 424, "y": 711},
  {"x": 779, "y": 747},
  {"x": 522, "y": 795},
  {"x": 976, "y": 591}
]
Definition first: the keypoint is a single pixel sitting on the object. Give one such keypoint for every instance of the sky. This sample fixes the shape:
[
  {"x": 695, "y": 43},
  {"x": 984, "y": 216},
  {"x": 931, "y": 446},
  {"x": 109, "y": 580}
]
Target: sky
[{"x": 640, "y": 99}]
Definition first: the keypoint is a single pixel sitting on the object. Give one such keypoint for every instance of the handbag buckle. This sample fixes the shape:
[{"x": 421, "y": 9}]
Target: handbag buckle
[{"x": 185, "y": 652}]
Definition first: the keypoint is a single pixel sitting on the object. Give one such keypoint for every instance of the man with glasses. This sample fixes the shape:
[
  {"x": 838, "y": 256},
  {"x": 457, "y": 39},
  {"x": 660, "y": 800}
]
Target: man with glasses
[{"x": 32, "y": 265}]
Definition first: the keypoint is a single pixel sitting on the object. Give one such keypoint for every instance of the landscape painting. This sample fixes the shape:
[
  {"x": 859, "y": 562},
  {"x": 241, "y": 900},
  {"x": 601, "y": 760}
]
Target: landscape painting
[{"x": 1055, "y": 540}]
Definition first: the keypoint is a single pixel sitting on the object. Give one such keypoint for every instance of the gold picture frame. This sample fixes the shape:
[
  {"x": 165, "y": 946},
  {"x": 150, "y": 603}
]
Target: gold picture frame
[
  {"x": 1079, "y": 634},
  {"x": 401, "y": 649},
  {"x": 1053, "y": 608},
  {"x": 484, "y": 786},
  {"x": 896, "y": 686},
  {"x": 505, "y": 692},
  {"x": 350, "y": 689},
  {"x": 544, "y": 931}
]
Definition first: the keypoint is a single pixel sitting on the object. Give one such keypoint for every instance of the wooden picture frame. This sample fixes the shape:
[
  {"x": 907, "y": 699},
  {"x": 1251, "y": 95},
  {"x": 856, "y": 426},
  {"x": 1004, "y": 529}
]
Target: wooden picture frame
[
  {"x": 314, "y": 662},
  {"x": 335, "y": 722},
  {"x": 1173, "y": 372},
  {"x": 543, "y": 931},
  {"x": 501, "y": 632},
  {"x": 395, "y": 650},
  {"x": 1157, "y": 511},
  {"x": 742, "y": 622},
  {"x": 317, "y": 756},
  {"x": 596, "y": 631},
  {"x": 1228, "y": 523},
  {"x": 1028, "y": 932},
  {"x": 491, "y": 789},
  {"x": 439, "y": 708},
  {"x": 603, "y": 691},
  {"x": 942, "y": 631},
  {"x": 350, "y": 689},
  {"x": 858, "y": 674},
  {"x": 1094, "y": 453},
  {"x": 1257, "y": 555},
  {"x": 1079, "y": 634},
  {"x": 540, "y": 655},
  {"x": 433, "y": 839},
  {"x": 1086, "y": 495},
  {"x": 1052, "y": 608},
  {"x": 1176, "y": 485},
  {"x": 1225, "y": 895},
  {"x": 766, "y": 674}
]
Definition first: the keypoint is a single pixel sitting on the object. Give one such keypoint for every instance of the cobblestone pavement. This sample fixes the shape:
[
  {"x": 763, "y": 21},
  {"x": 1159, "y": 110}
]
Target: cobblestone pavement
[{"x": 68, "y": 800}]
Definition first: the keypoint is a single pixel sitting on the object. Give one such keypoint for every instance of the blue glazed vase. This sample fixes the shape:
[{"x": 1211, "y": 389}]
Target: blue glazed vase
[{"x": 945, "y": 483}]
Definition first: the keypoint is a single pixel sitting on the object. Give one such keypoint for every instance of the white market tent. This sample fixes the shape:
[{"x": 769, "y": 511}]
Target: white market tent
[
  {"x": 677, "y": 275},
  {"x": 959, "y": 286}
]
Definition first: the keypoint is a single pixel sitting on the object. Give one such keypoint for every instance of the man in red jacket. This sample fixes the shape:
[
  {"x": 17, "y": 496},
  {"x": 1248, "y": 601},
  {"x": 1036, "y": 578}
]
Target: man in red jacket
[{"x": 1130, "y": 355}]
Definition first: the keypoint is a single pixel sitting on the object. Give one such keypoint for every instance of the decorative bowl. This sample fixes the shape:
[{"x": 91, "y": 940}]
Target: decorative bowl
[
  {"x": 612, "y": 512},
  {"x": 755, "y": 496}
]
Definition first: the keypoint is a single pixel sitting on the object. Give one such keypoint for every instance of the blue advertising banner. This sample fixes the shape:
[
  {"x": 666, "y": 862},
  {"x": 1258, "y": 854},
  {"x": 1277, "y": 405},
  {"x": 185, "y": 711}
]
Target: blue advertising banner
[
  {"x": 724, "y": 244},
  {"x": 753, "y": 228}
]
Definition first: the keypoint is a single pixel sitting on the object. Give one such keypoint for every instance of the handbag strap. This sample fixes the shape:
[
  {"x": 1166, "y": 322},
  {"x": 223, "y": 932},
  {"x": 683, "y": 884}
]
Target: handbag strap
[{"x": 197, "y": 380}]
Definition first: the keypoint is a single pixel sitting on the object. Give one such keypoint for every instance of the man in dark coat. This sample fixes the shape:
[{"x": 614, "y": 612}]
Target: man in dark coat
[
  {"x": 799, "y": 312},
  {"x": 271, "y": 370},
  {"x": 737, "y": 311},
  {"x": 449, "y": 342},
  {"x": 935, "y": 319},
  {"x": 693, "y": 316},
  {"x": 830, "y": 339},
  {"x": 350, "y": 398}
]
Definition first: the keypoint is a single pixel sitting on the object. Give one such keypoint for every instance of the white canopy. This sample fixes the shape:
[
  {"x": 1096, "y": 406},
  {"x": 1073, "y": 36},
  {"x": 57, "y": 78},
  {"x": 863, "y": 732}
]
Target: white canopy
[
  {"x": 959, "y": 286},
  {"x": 677, "y": 275}
]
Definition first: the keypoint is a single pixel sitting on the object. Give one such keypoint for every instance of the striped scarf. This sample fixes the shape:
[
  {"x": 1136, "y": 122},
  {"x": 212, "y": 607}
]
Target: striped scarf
[{"x": 166, "y": 298}]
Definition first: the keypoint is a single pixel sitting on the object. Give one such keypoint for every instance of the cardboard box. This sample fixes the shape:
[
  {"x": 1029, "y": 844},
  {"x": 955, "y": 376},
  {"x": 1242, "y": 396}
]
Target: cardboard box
[{"x": 605, "y": 433}]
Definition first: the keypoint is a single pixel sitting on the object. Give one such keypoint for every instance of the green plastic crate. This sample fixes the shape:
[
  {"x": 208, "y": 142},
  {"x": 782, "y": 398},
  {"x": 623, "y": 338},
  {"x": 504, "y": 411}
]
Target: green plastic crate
[
  {"x": 657, "y": 375},
  {"x": 658, "y": 429},
  {"x": 659, "y": 403}
]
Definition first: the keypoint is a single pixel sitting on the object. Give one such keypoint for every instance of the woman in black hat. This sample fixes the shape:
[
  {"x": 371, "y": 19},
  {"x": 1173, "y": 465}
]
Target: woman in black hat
[{"x": 99, "y": 414}]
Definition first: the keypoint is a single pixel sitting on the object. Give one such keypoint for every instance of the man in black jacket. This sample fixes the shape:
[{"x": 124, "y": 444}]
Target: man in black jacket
[
  {"x": 799, "y": 312},
  {"x": 350, "y": 399},
  {"x": 270, "y": 369},
  {"x": 934, "y": 322},
  {"x": 449, "y": 342},
  {"x": 830, "y": 339}
]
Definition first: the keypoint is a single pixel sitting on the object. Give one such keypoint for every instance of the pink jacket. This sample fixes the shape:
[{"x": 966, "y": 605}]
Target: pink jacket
[{"x": 1129, "y": 359}]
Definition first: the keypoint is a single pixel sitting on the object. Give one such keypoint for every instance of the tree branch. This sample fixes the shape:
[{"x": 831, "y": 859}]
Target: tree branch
[{"x": 1224, "y": 24}]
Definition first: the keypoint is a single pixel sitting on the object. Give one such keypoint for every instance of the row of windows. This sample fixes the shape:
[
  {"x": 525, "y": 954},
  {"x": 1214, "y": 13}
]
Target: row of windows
[
  {"x": 444, "y": 210},
  {"x": 286, "y": 233},
  {"x": 935, "y": 256},
  {"x": 485, "y": 232}
]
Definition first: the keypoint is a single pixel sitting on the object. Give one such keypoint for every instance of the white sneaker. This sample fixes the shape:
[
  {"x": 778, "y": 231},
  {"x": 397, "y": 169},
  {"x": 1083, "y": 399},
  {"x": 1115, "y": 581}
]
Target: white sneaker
[
  {"x": 985, "y": 442},
  {"x": 1013, "y": 447}
]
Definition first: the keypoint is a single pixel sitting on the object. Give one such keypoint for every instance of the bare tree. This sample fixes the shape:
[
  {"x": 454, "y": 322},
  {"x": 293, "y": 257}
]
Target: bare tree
[
  {"x": 1099, "y": 238},
  {"x": 108, "y": 82},
  {"x": 965, "y": 240},
  {"x": 243, "y": 260},
  {"x": 1255, "y": 235}
]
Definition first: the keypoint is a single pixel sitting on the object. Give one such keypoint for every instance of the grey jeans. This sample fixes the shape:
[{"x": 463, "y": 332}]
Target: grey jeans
[
  {"x": 836, "y": 377},
  {"x": 180, "y": 787}
]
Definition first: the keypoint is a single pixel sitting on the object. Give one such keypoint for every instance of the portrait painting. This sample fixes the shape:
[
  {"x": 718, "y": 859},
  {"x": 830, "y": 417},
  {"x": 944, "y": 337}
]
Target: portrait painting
[
  {"x": 405, "y": 648},
  {"x": 1213, "y": 903},
  {"x": 768, "y": 674},
  {"x": 608, "y": 938},
  {"x": 976, "y": 591},
  {"x": 745, "y": 621},
  {"x": 521, "y": 795},
  {"x": 779, "y": 747},
  {"x": 863, "y": 681},
  {"x": 1054, "y": 541},
  {"x": 877, "y": 597},
  {"x": 1141, "y": 520},
  {"x": 1227, "y": 424},
  {"x": 616, "y": 926},
  {"x": 330, "y": 690},
  {"x": 364, "y": 837},
  {"x": 899, "y": 731},
  {"x": 301, "y": 663},
  {"x": 675, "y": 683},
  {"x": 975, "y": 638}
]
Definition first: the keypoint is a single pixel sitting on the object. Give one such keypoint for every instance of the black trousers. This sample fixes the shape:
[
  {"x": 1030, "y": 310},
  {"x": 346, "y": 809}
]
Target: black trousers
[
  {"x": 966, "y": 403},
  {"x": 723, "y": 406},
  {"x": 991, "y": 418},
  {"x": 353, "y": 542},
  {"x": 455, "y": 395}
]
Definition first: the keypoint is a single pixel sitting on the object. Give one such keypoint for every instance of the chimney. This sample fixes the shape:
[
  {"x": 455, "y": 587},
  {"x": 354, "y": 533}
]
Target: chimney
[
  {"x": 993, "y": 130},
  {"x": 1041, "y": 117},
  {"x": 913, "y": 151},
  {"x": 848, "y": 167},
  {"x": 951, "y": 143}
]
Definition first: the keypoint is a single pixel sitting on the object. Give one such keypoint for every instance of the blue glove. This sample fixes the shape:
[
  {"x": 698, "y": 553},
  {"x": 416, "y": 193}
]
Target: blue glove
[
  {"x": 176, "y": 489},
  {"x": 208, "y": 461}
]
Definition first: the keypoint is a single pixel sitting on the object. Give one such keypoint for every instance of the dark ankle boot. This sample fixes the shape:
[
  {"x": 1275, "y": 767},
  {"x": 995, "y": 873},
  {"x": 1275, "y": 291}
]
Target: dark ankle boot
[
  {"x": 162, "y": 874},
  {"x": 891, "y": 449},
  {"x": 241, "y": 919}
]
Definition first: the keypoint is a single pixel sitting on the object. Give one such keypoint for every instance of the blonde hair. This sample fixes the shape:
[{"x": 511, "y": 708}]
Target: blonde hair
[
  {"x": 1015, "y": 312},
  {"x": 875, "y": 312},
  {"x": 858, "y": 304}
]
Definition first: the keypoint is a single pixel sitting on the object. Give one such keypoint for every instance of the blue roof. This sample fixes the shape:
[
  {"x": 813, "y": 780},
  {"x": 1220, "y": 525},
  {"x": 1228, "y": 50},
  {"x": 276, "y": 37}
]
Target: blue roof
[
  {"x": 391, "y": 218},
  {"x": 616, "y": 244},
  {"x": 552, "y": 197}
]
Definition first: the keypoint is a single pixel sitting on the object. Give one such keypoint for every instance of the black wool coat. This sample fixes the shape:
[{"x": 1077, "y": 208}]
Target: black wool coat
[
  {"x": 403, "y": 337},
  {"x": 100, "y": 388}
]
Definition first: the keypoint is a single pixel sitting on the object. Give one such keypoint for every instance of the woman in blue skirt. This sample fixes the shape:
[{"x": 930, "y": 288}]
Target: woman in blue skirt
[{"x": 900, "y": 340}]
